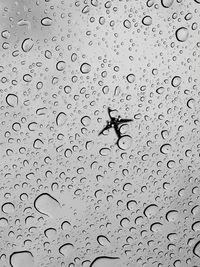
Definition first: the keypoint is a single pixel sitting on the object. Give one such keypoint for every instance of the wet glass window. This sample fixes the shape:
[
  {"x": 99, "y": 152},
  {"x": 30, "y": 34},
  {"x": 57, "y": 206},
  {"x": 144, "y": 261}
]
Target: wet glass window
[{"x": 100, "y": 133}]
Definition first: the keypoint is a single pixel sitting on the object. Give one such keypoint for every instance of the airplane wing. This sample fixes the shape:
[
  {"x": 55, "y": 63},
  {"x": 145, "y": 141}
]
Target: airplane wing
[
  {"x": 124, "y": 121},
  {"x": 104, "y": 129}
]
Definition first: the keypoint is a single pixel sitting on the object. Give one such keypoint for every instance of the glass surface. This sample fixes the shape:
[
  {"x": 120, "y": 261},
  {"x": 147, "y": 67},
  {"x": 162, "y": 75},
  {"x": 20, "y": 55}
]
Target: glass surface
[{"x": 99, "y": 133}]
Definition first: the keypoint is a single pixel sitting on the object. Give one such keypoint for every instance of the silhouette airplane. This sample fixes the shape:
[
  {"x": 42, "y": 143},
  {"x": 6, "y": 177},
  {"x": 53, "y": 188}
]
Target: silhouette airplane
[{"x": 114, "y": 123}]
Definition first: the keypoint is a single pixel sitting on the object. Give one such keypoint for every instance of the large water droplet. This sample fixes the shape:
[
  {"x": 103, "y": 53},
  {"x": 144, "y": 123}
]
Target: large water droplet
[
  {"x": 196, "y": 249},
  {"x": 61, "y": 119},
  {"x": 124, "y": 142},
  {"x": 105, "y": 261},
  {"x": 196, "y": 226},
  {"x": 46, "y": 21},
  {"x": 167, "y": 3},
  {"x": 22, "y": 259},
  {"x": 66, "y": 249},
  {"x": 165, "y": 149},
  {"x": 147, "y": 20},
  {"x": 103, "y": 241},
  {"x": 12, "y": 100},
  {"x": 38, "y": 143},
  {"x": 47, "y": 205},
  {"x": 27, "y": 44},
  {"x": 150, "y": 210},
  {"x": 85, "y": 68},
  {"x": 8, "y": 207},
  {"x": 182, "y": 34},
  {"x": 172, "y": 215}
]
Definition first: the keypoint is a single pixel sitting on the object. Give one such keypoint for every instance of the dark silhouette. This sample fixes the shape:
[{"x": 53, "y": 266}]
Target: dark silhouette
[{"x": 114, "y": 123}]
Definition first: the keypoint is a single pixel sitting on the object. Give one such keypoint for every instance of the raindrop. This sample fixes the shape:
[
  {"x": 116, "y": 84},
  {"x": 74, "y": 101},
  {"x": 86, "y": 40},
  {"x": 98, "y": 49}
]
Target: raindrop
[
  {"x": 167, "y": 3},
  {"x": 66, "y": 249},
  {"x": 131, "y": 205},
  {"x": 147, "y": 20},
  {"x": 125, "y": 222},
  {"x": 8, "y": 207},
  {"x": 5, "y": 34},
  {"x": 38, "y": 143},
  {"x": 46, "y": 204},
  {"x": 190, "y": 103},
  {"x": 67, "y": 89},
  {"x": 172, "y": 215},
  {"x": 50, "y": 233},
  {"x": 86, "y": 120},
  {"x": 85, "y": 68},
  {"x": 156, "y": 227},
  {"x": 182, "y": 34},
  {"x": 104, "y": 261},
  {"x": 12, "y": 100},
  {"x": 103, "y": 241},
  {"x": 127, "y": 24},
  {"x": 27, "y": 44},
  {"x": 61, "y": 119},
  {"x": 124, "y": 142},
  {"x": 46, "y": 21},
  {"x": 22, "y": 259},
  {"x": 130, "y": 78},
  {"x": 165, "y": 149},
  {"x": 104, "y": 151},
  {"x": 3, "y": 222},
  {"x": 150, "y": 210},
  {"x": 176, "y": 81},
  {"x": 60, "y": 66},
  {"x": 68, "y": 153},
  {"x": 196, "y": 226},
  {"x": 196, "y": 249}
]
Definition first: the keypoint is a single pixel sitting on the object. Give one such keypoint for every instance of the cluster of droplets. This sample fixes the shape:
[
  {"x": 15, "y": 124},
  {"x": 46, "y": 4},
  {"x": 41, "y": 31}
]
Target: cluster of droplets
[{"x": 71, "y": 196}]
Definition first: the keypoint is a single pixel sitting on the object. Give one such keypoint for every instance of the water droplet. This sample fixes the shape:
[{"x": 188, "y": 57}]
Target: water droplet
[
  {"x": 182, "y": 34},
  {"x": 190, "y": 103},
  {"x": 124, "y": 142},
  {"x": 167, "y": 3},
  {"x": 150, "y": 210},
  {"x": 86, "y": 120},
  {"x": 196, "y": 226},
  {"x": 130, "y": 78},
  {"x": 172, "y": 215},
  {"x": 68, "y": 153},
  {"x": 5, "y": 34},
  {"x": 104, "y": 261},
  {"x": 61, "y": 119},
  {"x": 196, "y": 249},
  {"x": 176, "y": 81},
  {"x": 50, "y": 233},
  {"x": 22, "y": 259},
  {"x": 60, "y": 65},
  {"x": 66, "y": 249},
  {"x": 104, "y": 151},
  {"x": 85, "y": 68},
  {"x": 156, "y": 227},
  {"x": 3, "y": 222},
  {"x": 127, "y": 24},
  {"x": 8, "y": 207},
  {"x": 103, "y": 241},
  {"x": 38, "y": 143},
  {"x": 165, "y": 149},
  {"x": 131, "y": 205},
  {"x": 12, "y": 100},
  {"x": 47, "y": 205},
  {"x": 46, "y": 21},
  {"x": 27, "y": 44},
  {"x": 147, "y": 20},
  {"x": 125, "y": 222}
]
